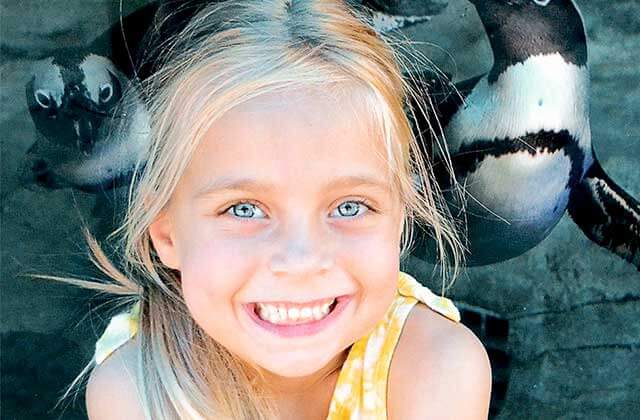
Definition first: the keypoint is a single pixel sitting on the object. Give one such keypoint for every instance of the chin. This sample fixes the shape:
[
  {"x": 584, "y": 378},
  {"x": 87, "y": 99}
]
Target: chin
[{"x": 292, "y": 366}]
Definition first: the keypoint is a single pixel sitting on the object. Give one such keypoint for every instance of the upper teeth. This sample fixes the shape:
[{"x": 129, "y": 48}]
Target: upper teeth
[{"x": 287, "y": 314}]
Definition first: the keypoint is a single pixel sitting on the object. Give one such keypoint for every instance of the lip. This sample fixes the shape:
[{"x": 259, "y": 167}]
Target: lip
[{"x": 299, "y": 330}]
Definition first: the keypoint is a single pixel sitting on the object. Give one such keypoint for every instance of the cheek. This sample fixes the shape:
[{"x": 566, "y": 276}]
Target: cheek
[
  {"x": 374, "y": 261},
  {"x": 210, "y": 256},
  {"x": 376, "y": 249},
  {"x": 213, "y": 272}
]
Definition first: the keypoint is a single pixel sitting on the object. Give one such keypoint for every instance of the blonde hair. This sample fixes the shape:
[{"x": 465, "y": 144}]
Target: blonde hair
[{"x": 228, "y": 53}]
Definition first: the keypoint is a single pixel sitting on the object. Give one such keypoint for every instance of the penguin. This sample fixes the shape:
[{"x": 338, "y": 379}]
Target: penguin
[
  {"x": 520, "y": 140},
  {"x": 88, "y": 135},
  {"x": 70, "y": 95},
  {"x": 91, "y": 124}
]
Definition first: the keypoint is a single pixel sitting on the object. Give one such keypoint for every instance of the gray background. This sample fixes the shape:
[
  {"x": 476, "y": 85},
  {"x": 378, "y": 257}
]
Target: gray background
[{"x": 572, "y": 307}]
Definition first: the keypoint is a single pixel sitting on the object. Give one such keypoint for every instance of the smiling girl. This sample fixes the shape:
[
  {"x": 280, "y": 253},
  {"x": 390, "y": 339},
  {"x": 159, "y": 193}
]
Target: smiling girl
[{"x": 263, "y": 240}]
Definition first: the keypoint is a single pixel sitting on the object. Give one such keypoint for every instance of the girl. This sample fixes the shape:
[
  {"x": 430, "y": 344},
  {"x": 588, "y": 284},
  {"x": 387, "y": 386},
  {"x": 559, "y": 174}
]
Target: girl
[{"x": 262, "y": 242}]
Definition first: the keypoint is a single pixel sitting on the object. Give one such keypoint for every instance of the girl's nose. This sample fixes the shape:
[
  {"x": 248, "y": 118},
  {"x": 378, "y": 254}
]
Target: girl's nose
[{"x": 301, "y": 251}]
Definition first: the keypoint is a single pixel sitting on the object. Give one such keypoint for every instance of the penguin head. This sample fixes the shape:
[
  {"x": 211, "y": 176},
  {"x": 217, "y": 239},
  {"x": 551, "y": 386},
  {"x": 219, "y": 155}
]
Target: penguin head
[
  {"x": 71, "y": 95},
  {"x": 519, "y": 29}
]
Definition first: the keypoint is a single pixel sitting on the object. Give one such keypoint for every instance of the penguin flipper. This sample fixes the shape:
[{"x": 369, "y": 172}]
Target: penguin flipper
[
  {"x": 442, "y": 99},
  {"x": 607, "y": 214},
  {"x": 466, "y": 86},
  {"x": 441, "y": 95},
  {"x": 454, "y": 98}
]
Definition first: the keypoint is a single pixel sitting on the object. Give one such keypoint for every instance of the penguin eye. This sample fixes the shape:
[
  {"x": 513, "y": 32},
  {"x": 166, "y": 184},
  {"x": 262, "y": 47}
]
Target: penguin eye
[
  {"x": 542, "y": 2},
  {"x": 106, "y": 92},
  {"x": 42, "y": 98}
]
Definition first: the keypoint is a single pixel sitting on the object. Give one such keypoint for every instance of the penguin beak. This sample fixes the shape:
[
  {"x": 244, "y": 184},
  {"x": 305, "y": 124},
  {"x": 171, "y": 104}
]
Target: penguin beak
[
  {"x": 83, "y": 112},
  {"x": 84, "y": 132},
  {"x": 78, "y": 102}
]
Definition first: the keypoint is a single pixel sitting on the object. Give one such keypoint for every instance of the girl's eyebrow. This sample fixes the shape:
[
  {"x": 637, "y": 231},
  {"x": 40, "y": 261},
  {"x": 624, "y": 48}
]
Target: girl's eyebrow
[{"x": 228, "y": 183}]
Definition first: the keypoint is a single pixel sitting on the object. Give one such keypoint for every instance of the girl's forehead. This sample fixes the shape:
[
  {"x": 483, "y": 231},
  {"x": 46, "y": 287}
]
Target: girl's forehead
[
  {"x": 309, "y": 101},
  {"x": 292, "y": 133}
]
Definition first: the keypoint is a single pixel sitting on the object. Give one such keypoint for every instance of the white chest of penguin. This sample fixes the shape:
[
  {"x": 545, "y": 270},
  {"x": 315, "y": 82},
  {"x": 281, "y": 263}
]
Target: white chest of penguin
[{"x": 544, "y": 93}]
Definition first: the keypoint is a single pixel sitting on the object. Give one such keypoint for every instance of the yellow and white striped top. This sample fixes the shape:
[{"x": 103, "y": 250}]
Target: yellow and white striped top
[{"x": 361, "y": 389}]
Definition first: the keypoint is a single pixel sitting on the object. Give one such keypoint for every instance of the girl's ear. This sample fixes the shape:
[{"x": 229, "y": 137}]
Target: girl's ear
[{"x": 161, "y": 233}]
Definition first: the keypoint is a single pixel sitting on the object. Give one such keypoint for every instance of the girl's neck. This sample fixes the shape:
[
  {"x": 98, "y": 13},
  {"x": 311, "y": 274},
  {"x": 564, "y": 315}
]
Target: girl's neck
[
  {"x": 284, "y": 388},
  {"x": 308, "y": 397}
]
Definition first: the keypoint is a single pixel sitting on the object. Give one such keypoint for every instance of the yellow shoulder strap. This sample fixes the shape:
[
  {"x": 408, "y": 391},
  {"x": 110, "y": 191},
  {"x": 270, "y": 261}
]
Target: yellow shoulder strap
[
  {"x": 120, "y": 329},
  {"x": 408, "y": 286}
]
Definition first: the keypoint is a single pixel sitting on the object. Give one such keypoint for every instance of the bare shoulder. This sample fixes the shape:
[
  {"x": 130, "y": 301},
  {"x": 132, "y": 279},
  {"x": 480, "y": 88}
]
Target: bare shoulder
[
  {"x": 111, "y": 391},
  {"x": 440, "y": 370}
]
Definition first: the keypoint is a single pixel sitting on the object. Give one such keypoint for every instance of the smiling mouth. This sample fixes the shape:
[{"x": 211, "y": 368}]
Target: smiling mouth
[
  {"x": 288, "y": 314},
  {"x": 279, "y": 323}
]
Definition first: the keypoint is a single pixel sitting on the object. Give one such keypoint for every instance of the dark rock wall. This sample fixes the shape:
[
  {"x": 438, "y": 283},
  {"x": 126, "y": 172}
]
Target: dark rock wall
[{"x": 562, "y": 318}]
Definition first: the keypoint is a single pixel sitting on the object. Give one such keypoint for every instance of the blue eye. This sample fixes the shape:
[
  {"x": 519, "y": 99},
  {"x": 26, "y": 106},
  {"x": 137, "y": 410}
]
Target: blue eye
[
  {"x": 351, "y": 208},
  {"x": 244, "y": 210},
  {"x": 247, "y": 210}
]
